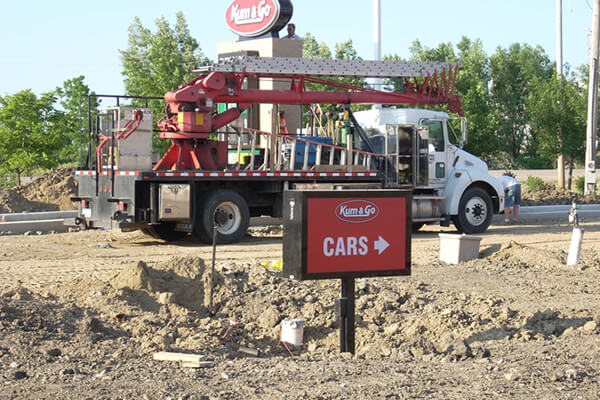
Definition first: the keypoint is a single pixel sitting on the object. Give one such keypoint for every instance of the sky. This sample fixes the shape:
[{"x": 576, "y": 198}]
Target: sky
[{"x": 44, "y": 43}]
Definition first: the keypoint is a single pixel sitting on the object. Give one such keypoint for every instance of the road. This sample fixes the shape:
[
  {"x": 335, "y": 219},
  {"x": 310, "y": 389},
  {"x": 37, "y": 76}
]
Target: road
[
  {"x": 545, "y": 174},
  {"x": 51, "y": 221}
]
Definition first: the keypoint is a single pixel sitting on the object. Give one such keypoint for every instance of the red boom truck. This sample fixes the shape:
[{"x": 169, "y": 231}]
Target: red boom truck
[{"x": 204, "y": 178}]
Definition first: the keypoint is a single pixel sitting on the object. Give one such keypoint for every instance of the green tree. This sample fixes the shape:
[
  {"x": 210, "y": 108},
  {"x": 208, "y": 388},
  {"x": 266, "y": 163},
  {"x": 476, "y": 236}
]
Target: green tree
[
  {"x": 29, "y": 133},
  {"x": 158, "y": 62},
  {"x": 73, "y": 99},
  {"x": 444, "y": 52},
  {"x": 472, "y": 83},
  {"x": 557, "y": 110},
  {"x": 313, "y": 49},
  {"x": 512, "y": 73},
  {"x": 155, "y": 63}
]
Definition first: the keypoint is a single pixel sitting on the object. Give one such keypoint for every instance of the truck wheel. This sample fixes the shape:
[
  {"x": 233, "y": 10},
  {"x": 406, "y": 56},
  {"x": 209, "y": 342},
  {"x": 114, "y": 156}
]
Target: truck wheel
[
  {"x": 165, "y": 231},
  {"x": 226, "y": 207},
  {"x": 474, "y": 211}
]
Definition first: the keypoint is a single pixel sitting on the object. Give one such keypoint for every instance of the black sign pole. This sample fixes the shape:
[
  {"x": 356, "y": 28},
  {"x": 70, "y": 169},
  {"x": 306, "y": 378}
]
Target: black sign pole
[{"x": 347, "y": 328}]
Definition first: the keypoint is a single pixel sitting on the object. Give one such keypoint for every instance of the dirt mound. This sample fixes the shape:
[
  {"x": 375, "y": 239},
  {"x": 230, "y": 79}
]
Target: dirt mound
[
  {"x": 553, "y": 196},
  {"x": 514, "y": 256},
  {"x": 165, "y": 307},
  {"x": 50, "y": 192}
]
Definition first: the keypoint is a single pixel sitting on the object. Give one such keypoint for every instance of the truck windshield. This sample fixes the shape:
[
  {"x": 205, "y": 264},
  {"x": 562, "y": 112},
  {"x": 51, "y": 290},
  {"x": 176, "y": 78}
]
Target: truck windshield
[
  {"x": 377, "y": 138},
  {"x": 453, "y": 136}
]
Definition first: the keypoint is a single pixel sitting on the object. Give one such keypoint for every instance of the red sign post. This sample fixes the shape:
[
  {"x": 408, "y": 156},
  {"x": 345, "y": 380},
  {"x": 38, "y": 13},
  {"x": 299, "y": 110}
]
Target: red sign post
[{"x": 346, "y": 235}]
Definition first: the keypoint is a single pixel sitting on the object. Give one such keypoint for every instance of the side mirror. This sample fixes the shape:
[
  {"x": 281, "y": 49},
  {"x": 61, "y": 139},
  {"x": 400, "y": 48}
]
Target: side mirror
[{"x": 464, "y": 128}]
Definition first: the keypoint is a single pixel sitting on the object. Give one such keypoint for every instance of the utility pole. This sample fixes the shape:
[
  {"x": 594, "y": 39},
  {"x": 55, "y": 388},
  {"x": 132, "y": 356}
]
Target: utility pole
[
  {"x": 377, "y": 38},
  {"x": 377, "y": 82},
  {"x": 592, "y": 120},
  {"x": 560, "y": 163}
]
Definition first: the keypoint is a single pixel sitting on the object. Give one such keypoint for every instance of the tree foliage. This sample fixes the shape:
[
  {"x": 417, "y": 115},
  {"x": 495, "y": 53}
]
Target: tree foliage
[
  {"x": 30, "y": 133},
  {"x": 73, "y": 99},
  {"x": 157, "y": 62},
  {"x": 472, "y": 84},
  {"x": 558, "y": 117},
  {"x": 512, "y": 73}
]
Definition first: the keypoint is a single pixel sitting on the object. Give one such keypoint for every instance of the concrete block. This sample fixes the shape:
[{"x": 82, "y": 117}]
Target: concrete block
[{"x": 458, "y": 248}]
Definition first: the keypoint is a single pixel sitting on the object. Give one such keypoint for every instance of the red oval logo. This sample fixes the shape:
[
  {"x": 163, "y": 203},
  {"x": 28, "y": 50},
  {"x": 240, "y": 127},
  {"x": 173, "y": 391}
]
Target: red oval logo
[
  {"x": 252, "y": 17},
  {"x": 357, "y": 211}
]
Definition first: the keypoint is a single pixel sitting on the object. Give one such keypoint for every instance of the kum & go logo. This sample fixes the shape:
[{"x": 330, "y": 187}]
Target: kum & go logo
[
  {"x": 357, "y": 211},
  {"x": 252, "y": 17}
]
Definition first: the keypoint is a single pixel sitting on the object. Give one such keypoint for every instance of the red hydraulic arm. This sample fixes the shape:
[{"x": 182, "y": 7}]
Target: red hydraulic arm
[{"x": 189, "y": 117}]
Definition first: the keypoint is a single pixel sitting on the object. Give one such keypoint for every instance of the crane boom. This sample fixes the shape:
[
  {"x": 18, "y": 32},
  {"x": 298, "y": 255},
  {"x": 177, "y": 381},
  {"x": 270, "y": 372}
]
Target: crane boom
[
  {"x": 321, "y": 67},
  {"x": 189, "y": 115}
]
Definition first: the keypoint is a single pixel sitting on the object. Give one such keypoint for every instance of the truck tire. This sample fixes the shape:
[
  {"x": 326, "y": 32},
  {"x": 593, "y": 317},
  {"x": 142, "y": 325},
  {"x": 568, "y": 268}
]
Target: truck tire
[
  {"x": 165, "y": 231},
  {"x": 474, "y": 211},
  {"x": 228, "y": 205}
]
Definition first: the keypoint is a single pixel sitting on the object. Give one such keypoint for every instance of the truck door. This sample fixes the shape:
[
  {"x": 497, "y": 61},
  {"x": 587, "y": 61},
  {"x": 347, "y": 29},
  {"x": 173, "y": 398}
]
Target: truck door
[{"x": 438, "y": 162}]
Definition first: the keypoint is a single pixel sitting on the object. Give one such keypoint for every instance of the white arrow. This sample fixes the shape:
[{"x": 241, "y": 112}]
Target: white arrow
[{"x": 380, "y": 245}]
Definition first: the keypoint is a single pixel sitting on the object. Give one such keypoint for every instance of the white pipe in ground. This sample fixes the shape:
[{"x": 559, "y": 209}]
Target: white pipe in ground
[{"x": 575, "y": 247}]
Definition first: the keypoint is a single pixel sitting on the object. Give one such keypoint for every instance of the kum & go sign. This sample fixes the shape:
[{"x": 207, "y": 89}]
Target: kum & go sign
[
  {"x": 253, "y": 17},
  {"x": 346, "y": 233}
]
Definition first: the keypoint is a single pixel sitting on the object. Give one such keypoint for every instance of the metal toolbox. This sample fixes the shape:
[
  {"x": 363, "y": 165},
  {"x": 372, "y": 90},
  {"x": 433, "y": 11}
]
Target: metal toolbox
[{"x": 174, "y": 202}]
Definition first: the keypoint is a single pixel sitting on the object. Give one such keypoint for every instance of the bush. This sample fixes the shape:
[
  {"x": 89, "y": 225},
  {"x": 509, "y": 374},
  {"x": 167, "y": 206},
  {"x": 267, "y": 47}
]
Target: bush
[
  {"x": 533, "y": 163},
  {"x": 580, "y": 185},
  {"x": 535, "y": 184}
]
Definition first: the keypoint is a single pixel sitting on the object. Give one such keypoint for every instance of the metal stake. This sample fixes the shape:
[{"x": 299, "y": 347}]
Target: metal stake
[
  {"x": 212, "y": 269},
  {"x": 346, "y": 316}
]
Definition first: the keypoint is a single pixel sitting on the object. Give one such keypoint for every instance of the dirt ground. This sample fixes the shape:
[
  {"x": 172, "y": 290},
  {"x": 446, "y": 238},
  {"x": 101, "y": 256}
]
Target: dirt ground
[{"x": 82, "y": 313}]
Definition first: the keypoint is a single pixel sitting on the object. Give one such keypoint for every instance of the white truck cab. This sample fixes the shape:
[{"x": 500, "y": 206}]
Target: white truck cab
[{"x": 449, "y": 183}]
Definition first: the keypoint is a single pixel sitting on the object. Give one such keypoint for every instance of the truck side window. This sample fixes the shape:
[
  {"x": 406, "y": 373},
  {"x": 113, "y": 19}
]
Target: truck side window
[{"x": 436, "y": 134}]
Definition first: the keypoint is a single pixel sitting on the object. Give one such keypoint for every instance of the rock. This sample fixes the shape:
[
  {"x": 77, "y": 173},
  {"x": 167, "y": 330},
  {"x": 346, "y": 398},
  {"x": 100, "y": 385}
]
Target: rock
[
  {"x": 590, "y": 326},
  {"x": 557, "y": 376},
  {"x": 20, "y": 375},
  {"x": 100, "y": 374},
  {"x": 269, "y": 318},
  {"x": 568, "y": 331},
  {"x": 312, "y": 347},
  {"x": 480, "y": 352},
  {"x": 166, "y": 298},
  {"x": 548, "y": 314},
  {"x": 103, "y": 245},
  {"x": 511, "y": 376},
  {"x": 548, "y": 327},
  {"x": 417, "y": 352},
  {"x": 392, "y": 329},
  {"x": 92, "y": 325},
  {"x": 54, "y": 352},
  {"x": 13, "y": 365},
  {"x": 461, "y": 350},
  {"x": 224, "y": 375},
  {"x": 571, "y": 373}
]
